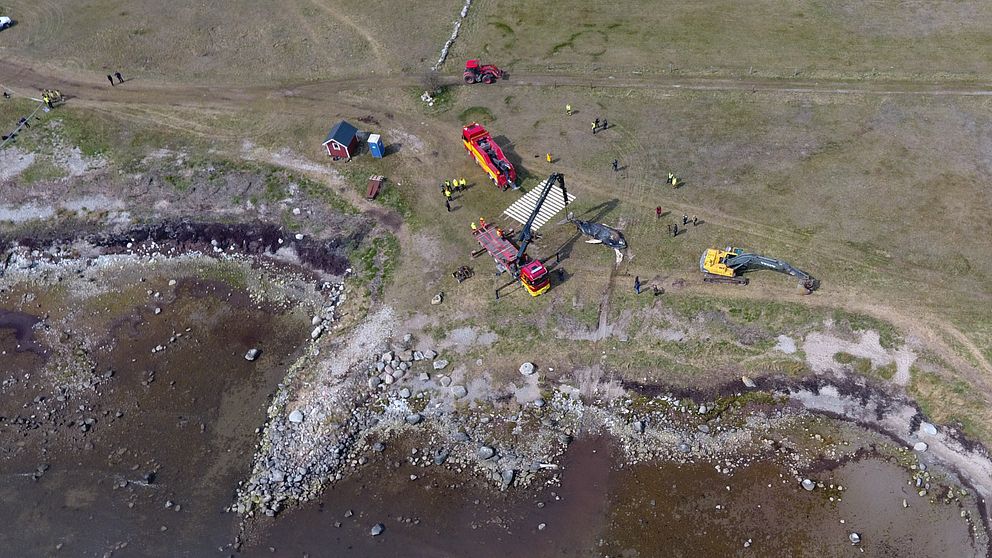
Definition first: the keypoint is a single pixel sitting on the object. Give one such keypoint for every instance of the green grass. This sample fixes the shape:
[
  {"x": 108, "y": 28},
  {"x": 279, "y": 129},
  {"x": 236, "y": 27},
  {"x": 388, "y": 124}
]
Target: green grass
[
  {"x": 481, "y": 115},
  {"x": 317, "y": 191},
  {"x": 377, "y": 264},
  {"x": 43, "y": 169},
  {"x": 951, "y": 401}
]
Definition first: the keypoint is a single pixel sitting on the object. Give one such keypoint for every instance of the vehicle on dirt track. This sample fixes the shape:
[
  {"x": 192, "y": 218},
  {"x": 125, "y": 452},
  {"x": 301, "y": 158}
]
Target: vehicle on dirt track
[
  {"x": 5, "y": 22},
  {"x": 475, "y": 72}
]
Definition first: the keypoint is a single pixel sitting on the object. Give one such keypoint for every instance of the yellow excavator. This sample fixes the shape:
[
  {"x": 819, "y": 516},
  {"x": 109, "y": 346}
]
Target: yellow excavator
[{"x": 728, "y": 266}]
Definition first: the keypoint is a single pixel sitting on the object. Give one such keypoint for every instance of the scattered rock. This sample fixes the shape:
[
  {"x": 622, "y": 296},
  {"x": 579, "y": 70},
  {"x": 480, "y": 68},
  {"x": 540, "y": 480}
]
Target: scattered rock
[
  {"x": 445, "y": 381},
  {"x": 374, "y": 382},
  {"x": 405, "y": 393},
  {"x": 638, "y": 426},
  {"x": 378, "y": 446},
  {"x": 414, "y": 418},
  {"x": 440, "y": 364},
  {"x": 748, "y": 382},
  {"x": 252, "y": 354},
  {"x": 928, "y": 429},
  {"x": 541, "y": 526},
  {"x": 486, "y": 452},
  {"x": 854, "y": 538},
  {"x": 705, "y": 429},
  {"x": 441, "y": 455},
  {"x": 459, "y": 391},
  {"x": 527, "y": 368},
  {"x": 808, "y": 484},
  {"x": 317, "y": 331},
  {"x": 296, "y": 416},
  {"x": 920, "y": 446},
  {"x": 539, "y": 403},
  {"x": 377, "y": 529},
  {"x": 438, "y": 299},
  {"x": 430, "y": 354}
]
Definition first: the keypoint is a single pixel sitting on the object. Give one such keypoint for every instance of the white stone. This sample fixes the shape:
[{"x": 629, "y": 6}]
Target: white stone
[
  {"x": 527, "y": 368},
  {"x": 296, "y": 416}
]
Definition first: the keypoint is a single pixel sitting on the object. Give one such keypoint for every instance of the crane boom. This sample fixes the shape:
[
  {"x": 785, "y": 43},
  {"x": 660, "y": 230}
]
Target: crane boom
[{"x": 526, "y": 233}]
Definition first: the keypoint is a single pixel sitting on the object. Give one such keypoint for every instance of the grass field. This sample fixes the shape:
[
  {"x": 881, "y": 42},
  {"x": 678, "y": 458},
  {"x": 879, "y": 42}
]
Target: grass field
[{"x": 770, "y": 38}]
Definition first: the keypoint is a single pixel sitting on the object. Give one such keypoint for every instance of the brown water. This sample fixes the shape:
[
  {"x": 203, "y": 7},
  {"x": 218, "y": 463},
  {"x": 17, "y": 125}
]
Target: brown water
[
  {"x": 193, "y": 426},
  {"x": 646, "y": 510}
]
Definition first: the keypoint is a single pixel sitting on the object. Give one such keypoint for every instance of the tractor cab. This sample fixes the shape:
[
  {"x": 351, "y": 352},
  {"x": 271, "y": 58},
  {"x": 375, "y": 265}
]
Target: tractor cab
[
  {"x": 472, "y": 66},
  {"x": 534, "y": 277}
]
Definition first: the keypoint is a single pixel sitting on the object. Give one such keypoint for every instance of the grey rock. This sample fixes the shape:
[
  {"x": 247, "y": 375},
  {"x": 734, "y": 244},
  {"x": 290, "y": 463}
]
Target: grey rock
[
  {"x": 855, "y": 539},
  {"x": 565, "y": 439},
  {"x": 296, "y": 416},
  {"x": 380, "y": 366},
  {"x": 486, "y": 452},
  {"x": 445, "y": 381},
  {"x": 441, "y": 455},
  {"x": 702, "y": 409},
  {"x": 703, "y": 428},
  {"x": 374, "y": 382},
  {"x": 459, "y": 391},
  {"x": 425, "y": 377},
  {"x": 430, "y": 354},
  {"x": 461, "y": 436},
  {"x": 377, "y": 529},
  {"x": 414, "y": 418},
  {"x": 928, "y": 429},
  {"x": 684, "y": 448},
  {"x": 378, "y": 446},
  {"x": 507, "y": 477},
  {"x": 316, "y": 321},
  {"x": 539, "y": 403},
  {"x": 252, "y": 354},
  {"x": 920, "y": 446},
  {"x": 405, "y": 393},
  {"x": 388, "y": 378},
  {"x": 748, "y": 382},
  {"x": 387, "y": 356},
  {"x": 440, "y": 364},
  {"x": 638, "y": 426},
  {"x": 317, "y": 331},
  {"x": 527, "y": 368},
  {"x": 277, "y": 476},
  {"x": 418, "y": 355},
  {"x": 808, "y": 484}
]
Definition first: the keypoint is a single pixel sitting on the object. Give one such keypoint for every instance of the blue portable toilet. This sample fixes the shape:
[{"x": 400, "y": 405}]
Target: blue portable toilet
[{"x": 375, "y": 146}]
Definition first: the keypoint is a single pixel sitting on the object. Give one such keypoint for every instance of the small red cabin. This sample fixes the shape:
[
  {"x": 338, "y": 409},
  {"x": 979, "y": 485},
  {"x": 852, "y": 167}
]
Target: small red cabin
[{"x": 342, "y": 141}]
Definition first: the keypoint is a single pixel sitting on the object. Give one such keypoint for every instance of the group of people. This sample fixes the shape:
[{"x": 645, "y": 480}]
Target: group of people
[
  {"x": 655, "y": 289},
  {"x": 673, "y": 180},
  {"x": 597, "y": 125},
  {"x": 451, "y": 186},
  {"x": 51, "y": 96},
  {"x": 120, "y": 78},
  {"x": 673, "y": 229}
]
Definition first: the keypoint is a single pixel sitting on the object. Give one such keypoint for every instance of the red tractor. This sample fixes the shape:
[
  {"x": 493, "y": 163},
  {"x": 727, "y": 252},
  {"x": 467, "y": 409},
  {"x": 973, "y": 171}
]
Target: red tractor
[{"x": 475, "y": 72}]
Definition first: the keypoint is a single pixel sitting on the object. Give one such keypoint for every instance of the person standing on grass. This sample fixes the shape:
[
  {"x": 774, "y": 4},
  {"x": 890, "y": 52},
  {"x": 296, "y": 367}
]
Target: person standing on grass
[
  {"x": 461, "y": 184},
  {"x": 568, "y": 110},
  {"x": 637, "y": 285},
  {"x": 685, "y": 220},
  {"x": 110, "y": 78},
  {"x": 595, "y": 125},
  {"x": 675, "y": 230},
  {"x": 695, "y": 221},
  {"x": 669, "y": 229},
  {"x": 605, "y": 124},
  {"x": 657, "y": 212},
  {"x": 616, "y": 165},
  {"x": 548, "y": 157},
  {"x": 120, "y": 78},
  {"x": 447, "y": 204}
]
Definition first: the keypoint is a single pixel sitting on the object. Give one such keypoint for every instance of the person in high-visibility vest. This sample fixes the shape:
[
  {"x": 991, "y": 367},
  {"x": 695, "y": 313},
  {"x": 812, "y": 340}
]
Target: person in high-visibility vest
[
  {"x": 482, "y": 223},
  {"x": 473, "y": 226},
  {"x": 548, "y": 157},
  {"x": 461, "y": 183},
  {"x": 447, "y": 194}
]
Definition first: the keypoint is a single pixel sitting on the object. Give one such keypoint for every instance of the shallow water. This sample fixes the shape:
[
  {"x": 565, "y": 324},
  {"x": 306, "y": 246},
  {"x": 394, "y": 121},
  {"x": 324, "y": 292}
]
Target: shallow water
[{"x": 650, "y": 509}]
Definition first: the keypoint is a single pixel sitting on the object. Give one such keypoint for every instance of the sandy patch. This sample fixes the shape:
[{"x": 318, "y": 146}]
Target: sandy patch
[
  {"x": 820, "y": 349},
  {"x": 785, "y": 344},
  {"x": 13, "y": 162}
]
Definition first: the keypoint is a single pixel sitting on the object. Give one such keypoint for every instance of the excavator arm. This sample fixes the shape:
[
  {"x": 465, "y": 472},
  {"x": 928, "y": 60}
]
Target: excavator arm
[
  {"x": 745, "y": 262},
  {"x": 726, "y": 266}
]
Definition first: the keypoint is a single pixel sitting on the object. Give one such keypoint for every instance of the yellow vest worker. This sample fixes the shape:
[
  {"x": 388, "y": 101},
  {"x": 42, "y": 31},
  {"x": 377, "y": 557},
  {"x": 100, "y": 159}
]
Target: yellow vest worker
[
  {"x": 473, "y": 226},
  {"x": 549, "y": 157}
]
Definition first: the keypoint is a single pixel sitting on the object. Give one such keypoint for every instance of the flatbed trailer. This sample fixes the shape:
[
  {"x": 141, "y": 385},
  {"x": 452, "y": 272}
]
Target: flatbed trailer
[{"x": 533, "y": 274}]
